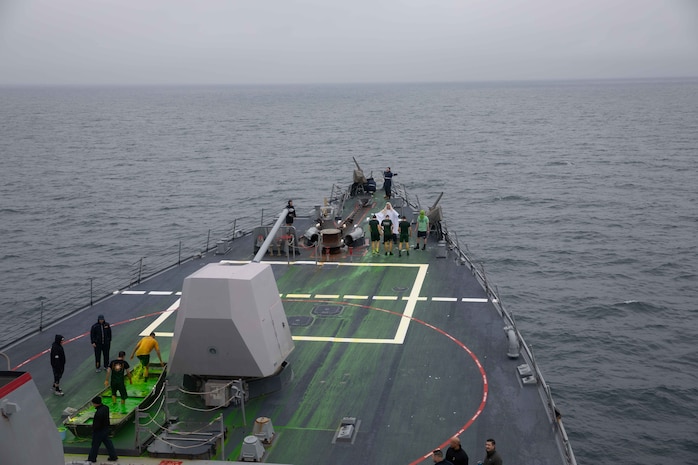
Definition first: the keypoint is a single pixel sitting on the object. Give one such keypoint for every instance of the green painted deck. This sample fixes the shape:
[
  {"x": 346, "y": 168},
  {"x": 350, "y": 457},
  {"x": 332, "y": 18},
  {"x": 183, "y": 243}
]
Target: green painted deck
[{"x": 138, "y": 393}]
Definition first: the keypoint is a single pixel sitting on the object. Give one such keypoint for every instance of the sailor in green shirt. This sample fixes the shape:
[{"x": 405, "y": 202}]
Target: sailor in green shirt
[
  {"x": 422, "y": 229},
  {"x": 387, "y": 225},
  {"x": 404, "y": 227},
  {"x": 374, "y": 226}
]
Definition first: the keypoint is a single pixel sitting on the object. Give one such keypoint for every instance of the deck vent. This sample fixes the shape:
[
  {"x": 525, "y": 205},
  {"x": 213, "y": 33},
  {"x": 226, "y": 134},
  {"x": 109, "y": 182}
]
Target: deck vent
[
  {"x": 264, "y": 430},
  {"x": 252, "y": 449},
  {"x": 221, "y": 247},
  {"x": 526, "y": 374},
  {"x": 347, "y": 430},
  {"x": 524, "y": 370},
  {"x": 513, "y": 346},
  {"x": 327, "y": 310}
]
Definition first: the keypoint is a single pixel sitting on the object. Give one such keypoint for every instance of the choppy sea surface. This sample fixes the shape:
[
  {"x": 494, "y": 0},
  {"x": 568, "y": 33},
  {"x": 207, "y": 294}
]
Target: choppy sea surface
[{"x": 580, "y": 200}]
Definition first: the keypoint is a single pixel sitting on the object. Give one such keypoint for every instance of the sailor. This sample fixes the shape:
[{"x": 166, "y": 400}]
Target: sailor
[
  {"x": 455, "y": 453},
  {"x": 57, "y": 363},
  {"x": 491, "y": 455},
  {"x": 388, "y": 182},
  {"x": 100, "y": 337},
  {"x": 387, "y": 225},
  {"x": 404, "y": 227},
  {"x": 422, "y": 229},
  {"x": 438, "y": 457},
  {"x": 291, "y": 213},
  {"x": 373, "y": 225},
  {"x": 100, "y": 432},
  {"x": 117, "y": 372},
  {"x": 143, "y": 349}
]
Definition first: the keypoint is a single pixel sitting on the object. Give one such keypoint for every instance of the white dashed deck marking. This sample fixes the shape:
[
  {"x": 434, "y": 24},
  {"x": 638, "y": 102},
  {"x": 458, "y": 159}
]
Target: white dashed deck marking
[{"x": 399, "y": 337}]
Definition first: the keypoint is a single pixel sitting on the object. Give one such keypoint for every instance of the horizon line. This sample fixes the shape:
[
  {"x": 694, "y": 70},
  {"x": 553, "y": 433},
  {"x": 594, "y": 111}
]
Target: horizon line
[{"x": 346, "y": 83}]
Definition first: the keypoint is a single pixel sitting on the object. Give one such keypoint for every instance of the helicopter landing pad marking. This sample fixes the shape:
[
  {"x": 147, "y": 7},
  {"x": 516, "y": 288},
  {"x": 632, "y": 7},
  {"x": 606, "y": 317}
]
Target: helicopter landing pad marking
[
  {"x": 411, "y": 301},
  {"x": 406, "y": 315}
]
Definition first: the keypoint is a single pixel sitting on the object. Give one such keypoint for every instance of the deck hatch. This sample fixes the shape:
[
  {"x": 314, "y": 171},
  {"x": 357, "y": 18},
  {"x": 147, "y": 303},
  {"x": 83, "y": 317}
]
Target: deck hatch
[
  {"x": 327, "y": 310},
  {"x": 300, "y": 320},
  {"x": 346, "y": 432}
]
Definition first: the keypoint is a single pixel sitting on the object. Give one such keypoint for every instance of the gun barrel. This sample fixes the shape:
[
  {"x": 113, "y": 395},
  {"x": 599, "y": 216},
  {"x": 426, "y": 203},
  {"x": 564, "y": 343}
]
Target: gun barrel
[
  {"x": 437, "y": 201},
  {"x": 357, "y": 164}
]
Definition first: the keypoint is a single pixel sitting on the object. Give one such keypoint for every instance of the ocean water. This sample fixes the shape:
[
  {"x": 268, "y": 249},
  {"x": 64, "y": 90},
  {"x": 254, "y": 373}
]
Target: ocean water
[{"x": 579, "y": 199}]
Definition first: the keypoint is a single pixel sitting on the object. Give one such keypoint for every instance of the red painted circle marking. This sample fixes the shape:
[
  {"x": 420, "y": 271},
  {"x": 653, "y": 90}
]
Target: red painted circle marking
[{"x": 485, "y": 386}]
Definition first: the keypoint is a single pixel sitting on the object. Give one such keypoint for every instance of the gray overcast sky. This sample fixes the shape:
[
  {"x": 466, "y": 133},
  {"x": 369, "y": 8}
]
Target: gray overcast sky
[{"x": 315, "y": 41}]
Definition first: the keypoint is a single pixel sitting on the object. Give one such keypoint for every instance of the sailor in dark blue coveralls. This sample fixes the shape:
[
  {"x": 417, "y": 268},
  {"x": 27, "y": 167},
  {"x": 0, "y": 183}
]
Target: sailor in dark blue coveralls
[
  {"x": 291, "y": 214},
  {"x": 100, "y": 432},
  {"x": 100, "y": 337},
  {"x": 388, "y": 182}
]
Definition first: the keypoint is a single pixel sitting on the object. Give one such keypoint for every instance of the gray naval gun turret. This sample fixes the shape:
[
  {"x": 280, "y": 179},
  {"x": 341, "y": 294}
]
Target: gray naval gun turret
[{"x": 231, "y": 331}]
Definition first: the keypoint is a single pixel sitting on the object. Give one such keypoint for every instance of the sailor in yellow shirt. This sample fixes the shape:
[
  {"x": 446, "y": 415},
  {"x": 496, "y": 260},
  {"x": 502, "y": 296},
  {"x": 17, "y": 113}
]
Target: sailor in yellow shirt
[{"x": 143, "y": 349}]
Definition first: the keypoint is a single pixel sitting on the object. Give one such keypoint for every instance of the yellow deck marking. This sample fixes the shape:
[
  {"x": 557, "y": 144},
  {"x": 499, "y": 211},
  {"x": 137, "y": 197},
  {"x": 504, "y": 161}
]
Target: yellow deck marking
[
  {"x": 327, "y": 296},
  {"x": 384, "y": 297},
  {"x": 161, "y": 319},
  {"x": 356, "y": 297},
  {"x": 411, "y": 304},
  {"x": 297, "y": 296},
  {"x": 344, "y": 339}
]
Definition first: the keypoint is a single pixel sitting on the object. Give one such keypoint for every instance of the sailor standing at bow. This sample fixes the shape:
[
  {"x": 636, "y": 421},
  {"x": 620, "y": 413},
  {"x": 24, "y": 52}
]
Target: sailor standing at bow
[
  {"x": 388, "y": 182},
  {"x": 291, "y": 214}
]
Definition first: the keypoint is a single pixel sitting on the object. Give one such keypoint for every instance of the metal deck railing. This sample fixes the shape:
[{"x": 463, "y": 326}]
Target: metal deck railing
[{"x": 493, "y": 296}]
